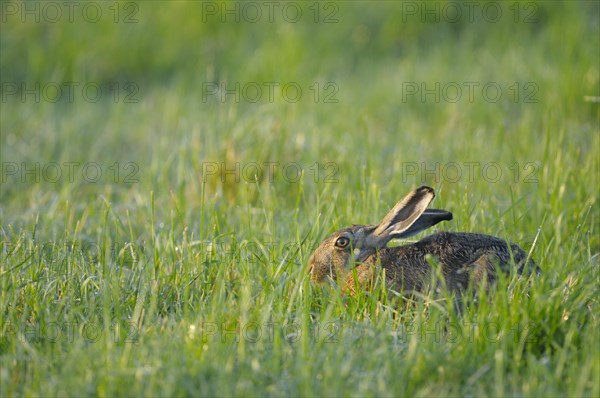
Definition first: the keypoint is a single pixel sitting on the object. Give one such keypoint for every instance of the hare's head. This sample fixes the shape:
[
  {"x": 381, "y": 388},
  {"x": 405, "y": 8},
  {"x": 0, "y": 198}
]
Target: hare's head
[{"x": 337, "y": 254}]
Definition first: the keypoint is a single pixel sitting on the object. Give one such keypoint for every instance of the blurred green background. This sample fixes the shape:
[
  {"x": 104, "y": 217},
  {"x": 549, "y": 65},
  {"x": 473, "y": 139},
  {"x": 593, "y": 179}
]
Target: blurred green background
[
  {"x": 158, "y": 66},
  {"x": 385, "y": 105}
]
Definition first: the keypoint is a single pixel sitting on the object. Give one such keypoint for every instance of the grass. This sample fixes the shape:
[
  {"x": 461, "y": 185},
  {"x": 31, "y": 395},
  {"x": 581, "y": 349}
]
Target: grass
[{"x": 177, "y": 272}]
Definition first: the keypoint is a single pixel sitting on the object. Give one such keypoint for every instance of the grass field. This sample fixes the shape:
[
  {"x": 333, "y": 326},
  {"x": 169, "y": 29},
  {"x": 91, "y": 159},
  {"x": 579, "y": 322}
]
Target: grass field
[{"x": 168, "y": 167}]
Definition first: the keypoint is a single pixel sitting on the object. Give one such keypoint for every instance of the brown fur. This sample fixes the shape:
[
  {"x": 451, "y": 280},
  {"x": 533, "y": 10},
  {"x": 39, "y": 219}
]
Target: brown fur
[{"x": 463, "y": 258}]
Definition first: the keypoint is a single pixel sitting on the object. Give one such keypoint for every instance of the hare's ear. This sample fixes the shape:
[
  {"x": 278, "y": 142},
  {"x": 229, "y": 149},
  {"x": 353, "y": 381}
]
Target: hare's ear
[
  {"x": 400, "y": 219},
  {"x": 428, "y": 219}
]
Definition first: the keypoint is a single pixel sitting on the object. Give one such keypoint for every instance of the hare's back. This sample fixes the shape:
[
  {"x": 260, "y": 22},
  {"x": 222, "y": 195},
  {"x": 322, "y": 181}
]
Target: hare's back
[{"x": 460, "y": 249}]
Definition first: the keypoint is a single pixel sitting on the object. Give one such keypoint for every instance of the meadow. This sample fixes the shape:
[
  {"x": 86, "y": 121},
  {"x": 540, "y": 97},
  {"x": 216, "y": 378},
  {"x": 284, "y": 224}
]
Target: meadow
[{"x": 168, "y": 168}]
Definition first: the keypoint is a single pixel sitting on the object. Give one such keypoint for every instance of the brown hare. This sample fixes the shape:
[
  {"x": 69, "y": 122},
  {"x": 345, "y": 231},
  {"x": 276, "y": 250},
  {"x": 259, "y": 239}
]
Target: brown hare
[{"x": 462, "y": 258}]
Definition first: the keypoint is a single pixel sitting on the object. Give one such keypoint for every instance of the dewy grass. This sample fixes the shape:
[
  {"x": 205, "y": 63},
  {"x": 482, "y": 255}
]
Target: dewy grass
[{"x": 155, "y": 241}]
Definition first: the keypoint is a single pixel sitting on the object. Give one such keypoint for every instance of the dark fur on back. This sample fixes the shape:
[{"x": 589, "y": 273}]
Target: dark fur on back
[{"x": 463, "y": 258}]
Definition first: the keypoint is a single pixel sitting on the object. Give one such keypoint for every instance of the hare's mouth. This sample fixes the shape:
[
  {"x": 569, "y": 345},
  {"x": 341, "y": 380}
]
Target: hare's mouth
[
  {"x": 314, "y": 277},
  {"x": 319, "y": 275}
]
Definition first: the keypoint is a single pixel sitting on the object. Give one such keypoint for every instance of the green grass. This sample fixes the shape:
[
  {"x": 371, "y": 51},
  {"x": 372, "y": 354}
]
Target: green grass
[{"x": 167, "y": 276}]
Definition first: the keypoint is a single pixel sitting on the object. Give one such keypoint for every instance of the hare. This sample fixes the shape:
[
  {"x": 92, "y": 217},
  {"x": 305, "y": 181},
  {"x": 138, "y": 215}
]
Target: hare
[{"x": 462, "y": 258}]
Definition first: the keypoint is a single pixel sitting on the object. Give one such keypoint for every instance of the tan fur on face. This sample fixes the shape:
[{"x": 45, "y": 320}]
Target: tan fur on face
[{"x": 329, "y": 261}]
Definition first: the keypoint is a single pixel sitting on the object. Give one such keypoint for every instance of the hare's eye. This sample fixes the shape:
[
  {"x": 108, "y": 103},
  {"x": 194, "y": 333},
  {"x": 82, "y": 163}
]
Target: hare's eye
[{"x": 342, "y": 242}]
